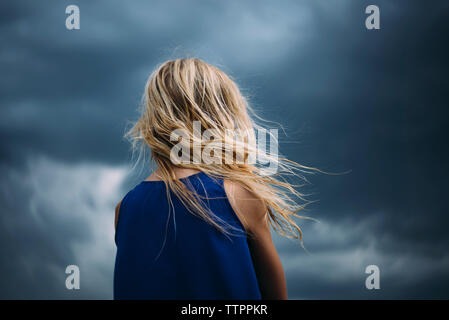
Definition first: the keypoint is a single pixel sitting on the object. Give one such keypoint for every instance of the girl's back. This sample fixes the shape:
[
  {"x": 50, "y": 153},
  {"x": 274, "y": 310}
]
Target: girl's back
[
  {"x": 166, "y": 252},
  {"x": 194, "y": 117}
]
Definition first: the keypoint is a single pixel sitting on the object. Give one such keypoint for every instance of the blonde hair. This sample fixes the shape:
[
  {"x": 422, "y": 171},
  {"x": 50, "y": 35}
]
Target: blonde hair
[{"x": 182, "y": 91}]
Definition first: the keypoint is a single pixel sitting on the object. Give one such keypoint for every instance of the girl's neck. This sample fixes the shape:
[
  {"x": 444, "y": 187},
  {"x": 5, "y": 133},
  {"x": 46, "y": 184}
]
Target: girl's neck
[{"x": 179, "y": 173}]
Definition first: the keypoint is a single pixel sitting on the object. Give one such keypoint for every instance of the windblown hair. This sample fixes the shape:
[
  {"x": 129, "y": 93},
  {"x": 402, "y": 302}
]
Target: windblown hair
[{"x": 182, "y": 91}]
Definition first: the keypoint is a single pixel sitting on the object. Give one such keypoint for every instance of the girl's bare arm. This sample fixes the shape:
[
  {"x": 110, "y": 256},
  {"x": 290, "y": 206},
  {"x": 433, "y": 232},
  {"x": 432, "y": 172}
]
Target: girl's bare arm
[{"x": 252, "y": 213}]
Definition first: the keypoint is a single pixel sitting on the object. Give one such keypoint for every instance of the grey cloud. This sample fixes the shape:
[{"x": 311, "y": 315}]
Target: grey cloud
[
  {"x": 54, "y": 215},
  {"x": 373, "y": 102}
]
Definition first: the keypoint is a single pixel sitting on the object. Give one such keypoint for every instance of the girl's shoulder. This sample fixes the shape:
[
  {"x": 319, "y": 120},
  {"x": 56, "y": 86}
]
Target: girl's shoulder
[{"x": 249, "y": 208}]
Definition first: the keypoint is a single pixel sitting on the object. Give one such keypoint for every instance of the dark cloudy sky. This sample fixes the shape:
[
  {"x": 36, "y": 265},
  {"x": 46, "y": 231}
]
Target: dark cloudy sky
[{"x": 373, "y": 102}]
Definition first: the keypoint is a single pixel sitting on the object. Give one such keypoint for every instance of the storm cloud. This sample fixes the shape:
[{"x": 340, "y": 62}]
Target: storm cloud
[{"x": 373, "y": 103}]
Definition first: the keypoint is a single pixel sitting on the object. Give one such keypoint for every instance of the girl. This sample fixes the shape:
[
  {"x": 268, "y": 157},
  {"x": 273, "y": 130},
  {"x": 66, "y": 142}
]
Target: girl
[{"x": 199, "y": 226}]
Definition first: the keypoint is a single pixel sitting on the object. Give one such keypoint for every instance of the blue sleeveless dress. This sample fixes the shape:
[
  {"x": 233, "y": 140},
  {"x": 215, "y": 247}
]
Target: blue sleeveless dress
[{"x": 164, "y": 254}]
